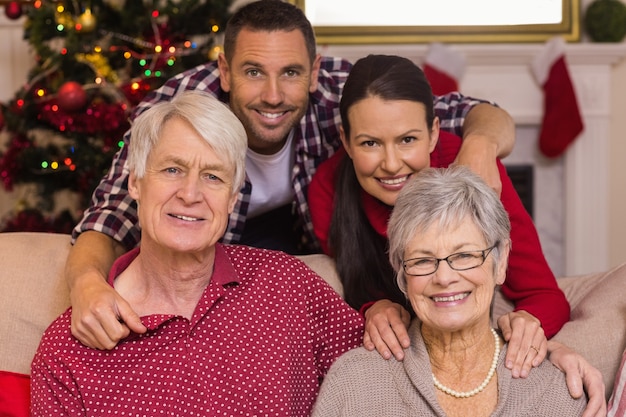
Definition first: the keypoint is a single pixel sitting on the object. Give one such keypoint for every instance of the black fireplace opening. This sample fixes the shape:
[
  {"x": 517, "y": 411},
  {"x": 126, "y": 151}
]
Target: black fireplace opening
[{"x": 522, "y": 177}]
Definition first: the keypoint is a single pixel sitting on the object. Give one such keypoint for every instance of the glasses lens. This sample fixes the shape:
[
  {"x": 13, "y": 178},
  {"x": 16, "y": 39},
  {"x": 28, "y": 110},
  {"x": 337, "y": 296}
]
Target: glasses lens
[
  {"x": 420, "y": 266},
  {"x": 466, "y": 260}
]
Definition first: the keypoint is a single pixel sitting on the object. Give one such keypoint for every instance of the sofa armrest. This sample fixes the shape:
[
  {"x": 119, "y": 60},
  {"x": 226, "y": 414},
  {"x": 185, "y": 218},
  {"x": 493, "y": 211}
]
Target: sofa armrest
[
  {"x": 597, "y": 326},
  {"x": 33, "y": 293}
]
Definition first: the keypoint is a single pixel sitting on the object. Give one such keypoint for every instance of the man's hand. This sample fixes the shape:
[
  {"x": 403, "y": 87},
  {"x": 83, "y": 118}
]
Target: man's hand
[
  {"x": 527, "y": 342},
  {"x": 488, "y": 134},
  {"x": 480, "y": 156},
  {"x": 578, "y": 374},
  {"x": 100, "y": 316},
  {"x": 386, "y": 326}
]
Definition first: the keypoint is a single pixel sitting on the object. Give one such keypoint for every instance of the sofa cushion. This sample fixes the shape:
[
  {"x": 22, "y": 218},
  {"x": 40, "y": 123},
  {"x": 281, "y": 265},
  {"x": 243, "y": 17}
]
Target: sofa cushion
[
  {"x": 32, "y": 295},
  {"x": 324, "y": 266}
]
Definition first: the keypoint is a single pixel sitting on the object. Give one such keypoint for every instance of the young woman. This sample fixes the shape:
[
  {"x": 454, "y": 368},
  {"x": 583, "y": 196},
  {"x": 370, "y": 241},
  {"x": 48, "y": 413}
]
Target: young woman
[{"x": 390, "y": 132}]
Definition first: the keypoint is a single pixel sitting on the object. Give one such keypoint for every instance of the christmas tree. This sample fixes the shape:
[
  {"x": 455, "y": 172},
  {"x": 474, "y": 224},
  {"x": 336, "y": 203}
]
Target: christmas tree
[{"x": 95, "y": 60}]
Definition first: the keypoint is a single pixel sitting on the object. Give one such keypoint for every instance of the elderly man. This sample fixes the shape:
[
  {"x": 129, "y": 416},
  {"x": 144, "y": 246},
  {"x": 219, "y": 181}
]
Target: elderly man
[{"x": 231, "y": 330}]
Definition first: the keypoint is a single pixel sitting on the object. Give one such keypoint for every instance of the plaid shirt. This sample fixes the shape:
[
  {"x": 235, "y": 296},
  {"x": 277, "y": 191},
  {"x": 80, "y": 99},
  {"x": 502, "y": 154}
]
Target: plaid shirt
[{"x": 114, "y": 213}]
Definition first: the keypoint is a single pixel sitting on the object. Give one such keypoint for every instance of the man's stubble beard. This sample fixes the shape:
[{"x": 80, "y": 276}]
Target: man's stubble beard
[{"x": 259, "y": 140}]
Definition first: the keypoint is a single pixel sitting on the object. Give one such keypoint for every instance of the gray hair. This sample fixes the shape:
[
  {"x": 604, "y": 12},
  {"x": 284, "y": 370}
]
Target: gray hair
[
  {"x": 212, "y": 119},
  {"x": 445, "y": 197}
]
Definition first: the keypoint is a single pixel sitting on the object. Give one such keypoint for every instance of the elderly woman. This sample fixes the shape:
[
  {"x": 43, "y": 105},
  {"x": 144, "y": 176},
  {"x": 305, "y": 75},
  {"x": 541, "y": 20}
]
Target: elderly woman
[
  {"x": 450, "y": 253},
  {"x": 230, "y": 330}
]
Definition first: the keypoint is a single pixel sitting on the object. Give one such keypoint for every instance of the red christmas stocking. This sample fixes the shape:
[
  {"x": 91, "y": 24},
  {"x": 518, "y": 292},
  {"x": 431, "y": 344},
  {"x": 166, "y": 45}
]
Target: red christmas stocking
[
  {"x": 562, "y": 121},
  {"x": 443, "y": 68}
]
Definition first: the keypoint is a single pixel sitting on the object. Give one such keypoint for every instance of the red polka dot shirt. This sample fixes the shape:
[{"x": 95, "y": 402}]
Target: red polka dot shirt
[{"x": 259, "y": 342}]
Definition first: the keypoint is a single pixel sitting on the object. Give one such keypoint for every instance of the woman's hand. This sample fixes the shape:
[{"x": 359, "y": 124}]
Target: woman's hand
[
  {"x": 580, "y": 374},
  {"x": 386, "y": 326},
  {"x": 527, "y": 342}
]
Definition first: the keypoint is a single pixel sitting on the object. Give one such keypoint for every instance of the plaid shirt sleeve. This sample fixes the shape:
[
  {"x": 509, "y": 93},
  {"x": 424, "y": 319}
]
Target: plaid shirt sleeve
[
  {"x": 452, "y": 109},
  {"x": 112, "y": 211}
]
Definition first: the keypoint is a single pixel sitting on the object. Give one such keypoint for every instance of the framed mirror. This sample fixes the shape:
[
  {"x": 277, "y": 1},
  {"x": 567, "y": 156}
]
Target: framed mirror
[{"x": 457, "y": 21}]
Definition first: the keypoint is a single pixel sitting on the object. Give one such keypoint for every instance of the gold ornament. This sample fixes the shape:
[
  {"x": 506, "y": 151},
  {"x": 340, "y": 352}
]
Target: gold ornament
[{"x": 87, "y": 21}]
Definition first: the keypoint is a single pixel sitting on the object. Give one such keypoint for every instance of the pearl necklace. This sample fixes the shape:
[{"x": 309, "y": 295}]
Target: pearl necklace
[{"x": 492, "y": 370}]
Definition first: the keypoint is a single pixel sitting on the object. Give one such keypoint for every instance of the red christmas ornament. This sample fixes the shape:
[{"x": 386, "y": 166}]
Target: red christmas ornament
[
  {"x": 13, "y": 10},
  {"x": 71, "y": 96}
]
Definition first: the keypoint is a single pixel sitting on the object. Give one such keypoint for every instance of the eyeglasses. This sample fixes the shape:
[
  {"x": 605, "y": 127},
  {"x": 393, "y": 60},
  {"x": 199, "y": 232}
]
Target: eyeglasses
[{"x": 460, "y": 261}]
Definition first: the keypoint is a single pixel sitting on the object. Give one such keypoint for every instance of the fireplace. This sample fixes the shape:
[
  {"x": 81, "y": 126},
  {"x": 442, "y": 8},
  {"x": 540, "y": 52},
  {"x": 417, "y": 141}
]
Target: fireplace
[
  {"x": 523, "y": 181},
  {"x": 546, "y": 199}
]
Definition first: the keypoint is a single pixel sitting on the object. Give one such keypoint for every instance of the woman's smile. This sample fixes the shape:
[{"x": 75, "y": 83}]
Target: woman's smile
[
  {"x": 395, "y": 181},
  {"x": 453, "y": 298}
]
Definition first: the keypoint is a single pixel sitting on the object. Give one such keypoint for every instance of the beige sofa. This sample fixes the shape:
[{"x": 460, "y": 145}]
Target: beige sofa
[{"x": 33, "y": 292}]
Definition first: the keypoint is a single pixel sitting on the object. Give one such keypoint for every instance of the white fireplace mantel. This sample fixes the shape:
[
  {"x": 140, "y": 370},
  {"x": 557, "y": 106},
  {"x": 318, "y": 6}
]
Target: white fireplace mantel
[
  {"x": 488, "y": 53},
  {"x": 501, "y": 72}
]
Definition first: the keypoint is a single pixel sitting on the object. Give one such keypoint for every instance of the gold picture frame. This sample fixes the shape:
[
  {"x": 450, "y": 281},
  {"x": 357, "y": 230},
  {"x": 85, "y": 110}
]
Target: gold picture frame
[{"x": 568, "y": 28}]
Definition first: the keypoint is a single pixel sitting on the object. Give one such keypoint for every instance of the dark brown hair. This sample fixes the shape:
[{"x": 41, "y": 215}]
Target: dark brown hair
[
  {"x": 268, "y": 16},
  {"x": 360, "y": 252}
]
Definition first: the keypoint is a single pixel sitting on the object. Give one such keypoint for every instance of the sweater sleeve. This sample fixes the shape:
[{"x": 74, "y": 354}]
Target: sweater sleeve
[
  {"x": 331, "y": 398},
  {"x": 322, "y": 198},
  {"x": 530, "y": 283}
]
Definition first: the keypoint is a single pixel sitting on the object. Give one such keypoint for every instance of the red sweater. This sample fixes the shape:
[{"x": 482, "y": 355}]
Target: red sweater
[{"x": 530, "y": 284}]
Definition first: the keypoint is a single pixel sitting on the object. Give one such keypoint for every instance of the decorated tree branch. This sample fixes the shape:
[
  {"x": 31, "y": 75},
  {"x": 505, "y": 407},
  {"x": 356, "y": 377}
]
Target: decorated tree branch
[{"x": 94, "y": 61}]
